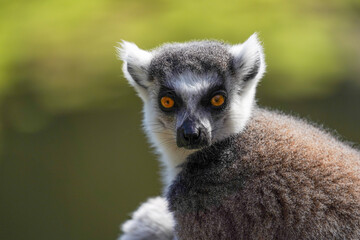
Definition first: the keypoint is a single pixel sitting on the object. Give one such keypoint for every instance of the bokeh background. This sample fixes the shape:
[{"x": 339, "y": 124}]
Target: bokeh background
[{"x": 73, "y": 159}]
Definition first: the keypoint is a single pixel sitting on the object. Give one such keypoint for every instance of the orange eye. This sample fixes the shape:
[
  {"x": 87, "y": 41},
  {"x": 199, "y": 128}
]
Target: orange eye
[
  {"x": 218, "y": 100},
  {"x": 167, "y": 102}
]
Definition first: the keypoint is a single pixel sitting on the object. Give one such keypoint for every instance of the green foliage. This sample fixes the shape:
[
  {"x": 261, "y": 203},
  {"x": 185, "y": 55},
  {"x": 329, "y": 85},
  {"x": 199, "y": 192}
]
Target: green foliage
[
  {"x": 64, "y": 49},
  {"x": 73, "y": 160}
]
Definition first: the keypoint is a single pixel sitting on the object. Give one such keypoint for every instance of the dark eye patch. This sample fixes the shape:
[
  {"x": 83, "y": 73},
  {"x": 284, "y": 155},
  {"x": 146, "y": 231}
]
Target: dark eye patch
[
  {"x": 168, "y": 92},
  {"x": 220, "y": 89}
]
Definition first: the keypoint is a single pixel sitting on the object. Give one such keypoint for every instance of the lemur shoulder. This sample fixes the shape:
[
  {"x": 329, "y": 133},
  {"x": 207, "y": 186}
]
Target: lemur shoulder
[{"x": 236, "y": 171}]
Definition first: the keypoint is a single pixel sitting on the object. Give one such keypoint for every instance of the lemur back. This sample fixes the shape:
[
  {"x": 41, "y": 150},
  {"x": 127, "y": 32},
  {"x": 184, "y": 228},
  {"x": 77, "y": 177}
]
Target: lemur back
[{"x": 281, "y": 178}]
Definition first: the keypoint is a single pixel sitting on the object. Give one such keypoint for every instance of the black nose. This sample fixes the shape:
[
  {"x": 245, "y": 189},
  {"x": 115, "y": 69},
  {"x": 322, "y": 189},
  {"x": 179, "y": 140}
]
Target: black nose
[{"x": 189, "y": 134}]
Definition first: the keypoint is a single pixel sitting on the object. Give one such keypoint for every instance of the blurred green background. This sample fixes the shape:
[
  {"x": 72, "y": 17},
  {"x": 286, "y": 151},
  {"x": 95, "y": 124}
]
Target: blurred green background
[{"x": 74, "y": 161}]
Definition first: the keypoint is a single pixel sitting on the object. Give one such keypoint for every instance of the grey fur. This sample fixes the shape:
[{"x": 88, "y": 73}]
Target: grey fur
[
  {"x": 133, "y": 72},
  {"x": 264, "y": 176},
  {"x": 198, "y": 57},
  {"x": 192, "y": 73},
  {"x": 281, "y": 178}
]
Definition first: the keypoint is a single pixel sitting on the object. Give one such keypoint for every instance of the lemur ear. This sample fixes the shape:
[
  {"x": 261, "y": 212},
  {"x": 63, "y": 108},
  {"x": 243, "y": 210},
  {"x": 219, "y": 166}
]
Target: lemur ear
[
  {"x": 249, "y": 60},
  {"x": 136, "y": 64}
]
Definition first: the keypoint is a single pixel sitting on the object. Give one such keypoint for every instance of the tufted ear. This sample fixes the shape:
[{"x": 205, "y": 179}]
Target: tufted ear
[
  {"x": 136, "y": 65},
  {"x": 249, "y": 60}
]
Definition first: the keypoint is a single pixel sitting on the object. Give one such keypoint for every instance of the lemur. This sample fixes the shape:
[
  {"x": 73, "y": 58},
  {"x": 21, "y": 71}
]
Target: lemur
[{"x": 232, "y": 170}]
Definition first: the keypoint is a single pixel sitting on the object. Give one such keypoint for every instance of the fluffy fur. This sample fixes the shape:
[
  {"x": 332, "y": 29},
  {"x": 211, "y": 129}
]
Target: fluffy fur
[
  {"x": 151, "y": 221},
  {"x": 281, "y": 178},
  {"x": 191, "y": 69},
  {"x": 264, "y": 175}
]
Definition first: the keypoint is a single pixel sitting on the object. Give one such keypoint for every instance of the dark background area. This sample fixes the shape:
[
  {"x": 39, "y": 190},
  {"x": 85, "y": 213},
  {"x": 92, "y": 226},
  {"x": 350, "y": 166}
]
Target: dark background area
[{"x": 74, "y": 162}]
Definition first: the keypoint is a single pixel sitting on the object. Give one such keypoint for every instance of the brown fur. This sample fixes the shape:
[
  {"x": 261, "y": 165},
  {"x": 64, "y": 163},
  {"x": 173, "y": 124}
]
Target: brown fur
[{"x": 281, "y": 178}]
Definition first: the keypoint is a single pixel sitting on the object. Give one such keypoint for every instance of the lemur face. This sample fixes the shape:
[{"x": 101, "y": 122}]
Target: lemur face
[
  {"x": 195, "y": 93},
  {"x": 193, "y": 106}
]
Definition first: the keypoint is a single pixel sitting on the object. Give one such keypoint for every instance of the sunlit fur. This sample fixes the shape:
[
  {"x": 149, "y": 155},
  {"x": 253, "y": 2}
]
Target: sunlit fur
[{"x": 281, "y": 178}]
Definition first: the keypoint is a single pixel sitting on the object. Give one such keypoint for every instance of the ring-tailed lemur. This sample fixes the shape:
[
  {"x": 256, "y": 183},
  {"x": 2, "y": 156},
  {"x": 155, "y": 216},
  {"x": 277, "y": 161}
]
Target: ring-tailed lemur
[{"x": 199, "y": 95}]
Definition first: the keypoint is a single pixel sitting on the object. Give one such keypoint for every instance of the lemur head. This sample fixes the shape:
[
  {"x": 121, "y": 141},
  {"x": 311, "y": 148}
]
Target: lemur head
[{"x": 194, "y": 93}]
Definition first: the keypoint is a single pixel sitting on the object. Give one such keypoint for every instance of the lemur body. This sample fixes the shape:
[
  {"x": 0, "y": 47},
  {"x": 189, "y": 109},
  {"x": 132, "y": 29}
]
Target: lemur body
[
  {"x": 281, "y": 178},
  {"x": 195, "y": 95}
]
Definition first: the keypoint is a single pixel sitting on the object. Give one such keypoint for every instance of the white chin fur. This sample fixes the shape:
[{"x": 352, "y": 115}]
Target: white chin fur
[{"x": 171, "y": 156}]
